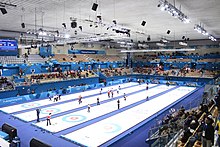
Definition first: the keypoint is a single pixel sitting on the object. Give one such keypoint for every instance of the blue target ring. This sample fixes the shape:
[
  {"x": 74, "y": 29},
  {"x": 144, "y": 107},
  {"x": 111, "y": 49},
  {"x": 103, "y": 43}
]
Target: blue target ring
[
  {"x": 31, "y": 105},
  {"x": 111, "y": 128},
  {"x": 49, "y": 110},
  {"x": 73, "y": 118}
]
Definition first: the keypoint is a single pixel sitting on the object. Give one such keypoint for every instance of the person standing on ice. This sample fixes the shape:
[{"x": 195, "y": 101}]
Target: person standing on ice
[
  {"x": 109, "y": 93},
  {"x": 88, "y": 107},
  {"x": 112, "y": 93},
  {"x": 48, "y": 119},
  {"x": 100, "y": 91},
  {"x": 80, "y": 99},
  {"x": 38, "y": 114},
  {"x": 118, "y": 91},
  {"x": 118, "y": 104},
  {"x": 98, "y": 103}
]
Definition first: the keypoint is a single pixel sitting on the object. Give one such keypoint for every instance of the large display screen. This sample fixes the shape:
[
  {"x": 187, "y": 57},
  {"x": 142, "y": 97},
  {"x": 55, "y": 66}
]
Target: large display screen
[{"x": 8, "y": 45}]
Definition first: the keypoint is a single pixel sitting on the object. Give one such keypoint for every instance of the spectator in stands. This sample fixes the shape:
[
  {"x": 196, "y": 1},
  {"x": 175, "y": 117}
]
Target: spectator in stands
[
  {"x": 208, "y": 132},
  {"x": 215, "y": 114},
  {"x": 217, "y": 128},
  {"x": 187, "y": 133},
  {"x": 217, "y": 101}
]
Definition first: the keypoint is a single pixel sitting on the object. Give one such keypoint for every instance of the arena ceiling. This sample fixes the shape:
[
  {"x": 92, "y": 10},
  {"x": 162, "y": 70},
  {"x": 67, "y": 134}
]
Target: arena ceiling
[{"x": 49, "y": 15}]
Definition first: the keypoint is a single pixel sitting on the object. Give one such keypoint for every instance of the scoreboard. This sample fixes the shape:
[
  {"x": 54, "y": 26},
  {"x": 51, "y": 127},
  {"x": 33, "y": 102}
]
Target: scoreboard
[{"x": 8, "y": 45}]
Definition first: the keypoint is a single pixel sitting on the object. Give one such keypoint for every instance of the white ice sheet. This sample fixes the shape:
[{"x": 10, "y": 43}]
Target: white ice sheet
[
  {"x": 31, "y": 115},
  {"x": 35, "y": 104},
  {"x": 64, "y": 122},
  {"x": 100, "y": 132}
]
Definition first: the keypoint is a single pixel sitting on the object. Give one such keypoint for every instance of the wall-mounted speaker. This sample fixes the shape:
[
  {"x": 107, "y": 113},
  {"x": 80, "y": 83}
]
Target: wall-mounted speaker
[
  {"x": 143, "y": 23},
  {"x": 3, "y": 10},
  {"x": 94, "y": 6},
  {"x": 73, "y": 24},
  {"x": 22, "y": 25}
]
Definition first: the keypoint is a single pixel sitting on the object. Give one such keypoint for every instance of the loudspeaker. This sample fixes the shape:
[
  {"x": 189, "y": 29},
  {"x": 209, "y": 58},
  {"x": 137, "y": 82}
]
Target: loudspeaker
[
  {"x": 143, "y": 23},
  {"x": 37, "y": 143},
  {"x": 94, "y": 6},
  {"x": 148, "y": 38},
  {"x": 22, "y": 25},
  {"x": 11, "y": 131},
  {"x": 73, "y": 24},
  {"x": 3, "y": 10}
]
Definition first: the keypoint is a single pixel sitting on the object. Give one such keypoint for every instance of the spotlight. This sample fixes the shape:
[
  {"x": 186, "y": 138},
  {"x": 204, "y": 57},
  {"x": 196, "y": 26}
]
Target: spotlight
[
  {"x": 173, "y": 11},
  {"x": 114, "y": 21},
  {"x": 80, "y": 27},
  {"x": 201, "y": 30},
  {"x": 183, "y": 43},
  {"x": 99, "y": 18},
  {"x": 4, "y": 11},
  {"x": 168, "y": 31},
  {"x": 164, "y": 40},
  {"x": 64, "y": 25}
]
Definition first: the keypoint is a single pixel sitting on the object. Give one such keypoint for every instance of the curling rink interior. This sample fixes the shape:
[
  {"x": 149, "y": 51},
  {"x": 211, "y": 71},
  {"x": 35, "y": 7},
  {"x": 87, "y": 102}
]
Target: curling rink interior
[{"x": 104, "y": 122}]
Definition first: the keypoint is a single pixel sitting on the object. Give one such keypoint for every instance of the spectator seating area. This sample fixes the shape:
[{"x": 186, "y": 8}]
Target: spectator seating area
[
  {"x": 5, "y": 84},
  {"x": 113, "y": 58},
  {"x": 209, "y": 60},
  {"x": 28, "y": 59},
  {"x": 184, "y": 72},
  {"x": 70, "y": 58},
  {"x": 99, "y": 58},
  {"x": 62, "y": 58},
  {"x": 116, "y": 72},
  {"x": 11, "y": 60},
  {"x": 144, "y": 58},
  {"x": 190, "y": 125},
  {"x": 58, "y": 76},
  {"x": 36, "y": 59}
]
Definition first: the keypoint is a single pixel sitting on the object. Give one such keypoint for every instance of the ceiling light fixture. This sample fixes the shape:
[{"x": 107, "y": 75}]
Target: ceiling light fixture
[
  {"x": 173, "y": 11},
  {"x": 201, "y": 30},
  {"x": 164, "y": 40},
  {"x": 183, "y": 43},
  {"x": 161, "y": 44}
]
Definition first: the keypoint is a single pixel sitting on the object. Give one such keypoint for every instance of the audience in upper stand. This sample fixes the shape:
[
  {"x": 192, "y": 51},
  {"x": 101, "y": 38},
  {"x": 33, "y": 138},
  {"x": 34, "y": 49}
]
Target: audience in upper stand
[{"x": 59, "y": 75}]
